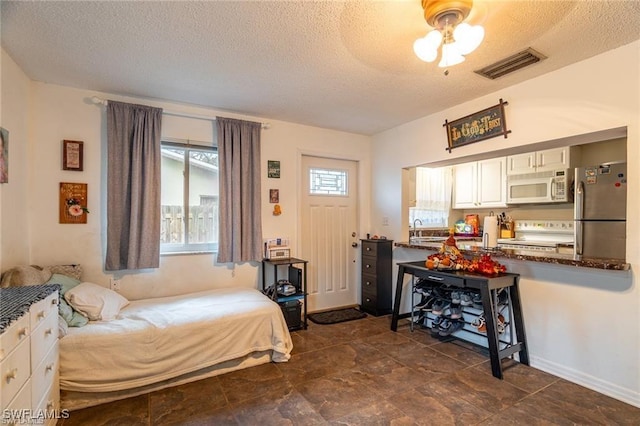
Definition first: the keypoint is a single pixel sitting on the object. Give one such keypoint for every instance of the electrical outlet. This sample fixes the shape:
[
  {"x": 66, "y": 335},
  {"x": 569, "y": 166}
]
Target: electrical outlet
[{"x": 115, "y": 284}]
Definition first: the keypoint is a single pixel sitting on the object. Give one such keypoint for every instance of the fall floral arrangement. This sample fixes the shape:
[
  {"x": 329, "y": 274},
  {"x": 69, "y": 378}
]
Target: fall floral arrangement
[
  {"x": 75, "y": 207},
  {"x": 450, "y": 258}
]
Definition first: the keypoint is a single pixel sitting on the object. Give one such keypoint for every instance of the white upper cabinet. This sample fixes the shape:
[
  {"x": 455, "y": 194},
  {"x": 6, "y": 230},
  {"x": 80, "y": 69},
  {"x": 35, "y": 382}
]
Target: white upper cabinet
[
  {"x": 539, "y": 161},
  {"x": 480, "y": 184}
]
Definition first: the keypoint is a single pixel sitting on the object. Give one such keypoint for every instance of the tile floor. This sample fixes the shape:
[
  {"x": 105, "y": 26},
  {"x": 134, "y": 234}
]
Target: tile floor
[{"x": 361, "y": 373}]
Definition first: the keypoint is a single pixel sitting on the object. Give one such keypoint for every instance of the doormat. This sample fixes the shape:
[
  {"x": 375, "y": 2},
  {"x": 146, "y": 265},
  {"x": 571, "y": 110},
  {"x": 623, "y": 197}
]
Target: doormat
[{"x": 339, "y": 315}]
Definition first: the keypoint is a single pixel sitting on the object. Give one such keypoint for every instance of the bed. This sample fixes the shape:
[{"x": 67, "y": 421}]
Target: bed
[{"x": 162, "y": 342}]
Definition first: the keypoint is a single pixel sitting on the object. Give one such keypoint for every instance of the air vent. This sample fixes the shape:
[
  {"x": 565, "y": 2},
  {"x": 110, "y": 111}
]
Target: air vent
[{"x": 511, "y": 64}]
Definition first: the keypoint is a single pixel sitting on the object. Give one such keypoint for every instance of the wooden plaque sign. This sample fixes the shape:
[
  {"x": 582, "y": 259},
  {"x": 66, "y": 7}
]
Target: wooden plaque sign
[
  {"x": 478, "y": 126},
  {"x": 73, "y": 202}
]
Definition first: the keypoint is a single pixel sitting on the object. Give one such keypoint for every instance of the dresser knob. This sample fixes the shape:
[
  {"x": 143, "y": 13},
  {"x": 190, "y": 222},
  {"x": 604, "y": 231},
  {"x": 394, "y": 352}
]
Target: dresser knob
[
  {"x": 368, "y": 300},
  {"x": 49, "y": 367},
  {"x": 22, "y": 333},
  {"x": 41, "y": 315},
  {"x": 367, "y": 266},
  {"x": 368, "y": 249},
  {"x": 368, "y": 282},
  {"x": 12, "y": 375},
  {"x": 48, "y": 332}
]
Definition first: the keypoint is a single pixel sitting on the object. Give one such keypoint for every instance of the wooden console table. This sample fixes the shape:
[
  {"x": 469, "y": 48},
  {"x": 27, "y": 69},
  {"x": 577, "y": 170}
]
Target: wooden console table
[{"x": 485, "y": 285}]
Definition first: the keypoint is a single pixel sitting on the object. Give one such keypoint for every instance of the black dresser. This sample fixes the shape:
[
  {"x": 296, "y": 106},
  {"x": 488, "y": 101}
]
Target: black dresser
[{"x": 376, "y": 276}]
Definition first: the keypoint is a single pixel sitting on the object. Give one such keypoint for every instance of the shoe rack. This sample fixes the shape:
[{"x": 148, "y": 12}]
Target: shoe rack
[{"x": 497, "y": 302}]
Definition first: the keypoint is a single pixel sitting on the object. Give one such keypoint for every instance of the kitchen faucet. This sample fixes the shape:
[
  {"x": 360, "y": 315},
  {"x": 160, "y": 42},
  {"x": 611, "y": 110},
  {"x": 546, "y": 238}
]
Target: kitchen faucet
[{"x": 415, "y": 230}]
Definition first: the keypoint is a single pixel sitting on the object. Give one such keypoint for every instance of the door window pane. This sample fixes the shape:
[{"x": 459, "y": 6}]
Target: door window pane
[{"x": 328, "y": 182}]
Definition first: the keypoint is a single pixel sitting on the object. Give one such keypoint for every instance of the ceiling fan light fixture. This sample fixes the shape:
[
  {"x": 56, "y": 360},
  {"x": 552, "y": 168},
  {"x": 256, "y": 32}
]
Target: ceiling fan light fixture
[
  {"x": 458, "y": 38},
  {"x": 450, "y": 55},
  {"x": 426, "y": 48}
]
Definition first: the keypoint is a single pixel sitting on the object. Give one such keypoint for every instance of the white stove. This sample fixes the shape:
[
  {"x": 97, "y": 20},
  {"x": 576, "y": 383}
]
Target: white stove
[{"x": 540, "y": 235}]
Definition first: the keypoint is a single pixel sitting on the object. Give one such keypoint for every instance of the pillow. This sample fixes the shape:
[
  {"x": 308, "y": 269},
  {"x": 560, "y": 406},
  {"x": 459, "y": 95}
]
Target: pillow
[
  {"x": 71, "y": 317},
  {"x": 65, "y": 281},
  {"x": 25, "y": 275},
  {"x": 95, "y": 302},
  {"x": 63, "y": 327},
  {"x": 73, "y": 271}
]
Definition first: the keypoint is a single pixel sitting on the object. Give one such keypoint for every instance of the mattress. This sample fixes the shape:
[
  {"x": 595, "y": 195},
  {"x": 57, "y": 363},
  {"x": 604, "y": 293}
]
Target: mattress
[{"x": 153, "y": 340}]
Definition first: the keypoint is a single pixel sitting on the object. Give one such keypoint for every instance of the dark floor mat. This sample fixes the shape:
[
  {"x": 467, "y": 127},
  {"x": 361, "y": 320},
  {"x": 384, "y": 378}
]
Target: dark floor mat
[{"x": 339, "y": 315}]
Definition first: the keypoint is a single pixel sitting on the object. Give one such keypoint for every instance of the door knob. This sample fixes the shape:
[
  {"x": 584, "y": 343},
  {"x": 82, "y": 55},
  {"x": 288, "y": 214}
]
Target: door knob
[{"x": 354, "y": 244}]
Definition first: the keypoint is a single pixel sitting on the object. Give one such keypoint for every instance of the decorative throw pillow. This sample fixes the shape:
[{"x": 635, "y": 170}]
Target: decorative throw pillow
[
  {"x": 65, "y": 281},
  {"x": 73, "y": 271},
  {"x": 71, "y": 317},
  {"x": 25, "y": 275},
  {"x": 95, "y": 302}
]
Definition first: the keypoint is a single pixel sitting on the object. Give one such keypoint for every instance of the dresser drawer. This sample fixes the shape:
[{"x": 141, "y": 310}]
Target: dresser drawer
[
  {"x": 445, "y": 279},
  {"x": 50, "y": 403},
  {"x": 16, "y": 333},
  {"x": 369, "y": 284},
  {"x": 369, "y": 265},
  {"x": 15, "y": 371},
  {"x": 44, "y": 375},
  {"x": 43, "y": 338},
  {"x": 19, "y": 411},
  {"x": 41, "y": 309},
  {"x": 369, "y": 248},
  {"x": 369, "y": 302}
]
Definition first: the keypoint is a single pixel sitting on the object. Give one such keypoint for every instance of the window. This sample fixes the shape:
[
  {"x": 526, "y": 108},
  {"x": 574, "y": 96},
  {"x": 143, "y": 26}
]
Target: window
[
  {"x": 189, "y": 217},
  {"x": 433, "y": 197},
  {"x": 327, "y": 182}
]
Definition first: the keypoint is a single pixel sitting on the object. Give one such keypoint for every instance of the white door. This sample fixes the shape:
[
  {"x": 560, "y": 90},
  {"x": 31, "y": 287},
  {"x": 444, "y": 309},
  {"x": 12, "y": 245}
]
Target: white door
[{"x": 329, "y": 231}]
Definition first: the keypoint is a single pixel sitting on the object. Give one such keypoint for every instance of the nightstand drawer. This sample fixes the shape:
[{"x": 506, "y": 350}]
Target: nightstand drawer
[
  {"x": 369, "y": 248},
  {"x": 369, "y": 284}
]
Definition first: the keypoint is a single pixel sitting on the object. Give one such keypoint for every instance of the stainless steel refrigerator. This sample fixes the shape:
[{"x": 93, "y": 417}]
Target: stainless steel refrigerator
[{"x": 600, "y": 211}]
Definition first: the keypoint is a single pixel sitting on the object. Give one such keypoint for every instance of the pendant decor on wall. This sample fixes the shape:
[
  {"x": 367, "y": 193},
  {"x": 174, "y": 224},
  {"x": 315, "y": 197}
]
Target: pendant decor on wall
[
  {"x": 476, "y": 127},
  {"x": 73, "y": 202}
]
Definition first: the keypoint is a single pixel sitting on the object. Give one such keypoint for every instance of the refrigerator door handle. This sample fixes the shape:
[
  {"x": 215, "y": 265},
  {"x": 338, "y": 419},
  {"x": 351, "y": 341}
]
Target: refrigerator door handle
[{"x": 578, "y": 213}]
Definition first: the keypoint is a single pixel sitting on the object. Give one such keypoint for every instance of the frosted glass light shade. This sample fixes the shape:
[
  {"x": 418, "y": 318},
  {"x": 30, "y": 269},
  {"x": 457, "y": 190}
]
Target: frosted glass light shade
[
  {"x": 468, "y": 38},
  {"x": 450, "y": 55},
  {"x": 426, "y": 48}
]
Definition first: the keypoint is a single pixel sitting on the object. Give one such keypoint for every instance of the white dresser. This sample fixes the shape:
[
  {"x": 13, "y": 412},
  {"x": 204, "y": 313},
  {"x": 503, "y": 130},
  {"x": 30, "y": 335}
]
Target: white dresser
[{"x": 29, "y": 385}]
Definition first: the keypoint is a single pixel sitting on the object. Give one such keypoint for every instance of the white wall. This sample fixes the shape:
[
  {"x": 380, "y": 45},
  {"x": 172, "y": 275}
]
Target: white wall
[
  {"x": 14, "y": 205},
  {"x": 59, "y": 113},
  {"x": 581, "y": 324}
]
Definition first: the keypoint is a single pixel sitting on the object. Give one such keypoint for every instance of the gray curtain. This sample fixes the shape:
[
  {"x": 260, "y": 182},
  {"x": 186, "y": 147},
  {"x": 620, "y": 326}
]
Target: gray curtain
[
  {"x": 240, "y": 238},
  {"x": 133, "y": 186}
]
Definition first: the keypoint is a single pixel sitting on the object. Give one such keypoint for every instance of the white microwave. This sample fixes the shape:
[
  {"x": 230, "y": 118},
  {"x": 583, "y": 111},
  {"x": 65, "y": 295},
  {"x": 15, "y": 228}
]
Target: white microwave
[{"x": 540, "y": 187}]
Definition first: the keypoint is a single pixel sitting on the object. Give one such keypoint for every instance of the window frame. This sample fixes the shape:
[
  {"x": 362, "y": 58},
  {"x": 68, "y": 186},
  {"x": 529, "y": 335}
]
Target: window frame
[{"x": 187, "y": 247}]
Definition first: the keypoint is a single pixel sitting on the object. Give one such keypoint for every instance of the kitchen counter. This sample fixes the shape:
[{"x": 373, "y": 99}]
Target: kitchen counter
[{"x": 474, "y": 248}]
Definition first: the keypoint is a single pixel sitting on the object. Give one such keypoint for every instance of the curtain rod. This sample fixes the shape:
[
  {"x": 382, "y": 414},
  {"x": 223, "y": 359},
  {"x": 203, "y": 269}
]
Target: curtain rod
[{"x": 99, "y": 101}]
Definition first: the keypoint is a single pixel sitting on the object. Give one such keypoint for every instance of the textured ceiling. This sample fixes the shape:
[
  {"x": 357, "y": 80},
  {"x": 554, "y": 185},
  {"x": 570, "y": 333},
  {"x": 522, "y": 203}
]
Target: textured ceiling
[{"x": 346, "y": 65}]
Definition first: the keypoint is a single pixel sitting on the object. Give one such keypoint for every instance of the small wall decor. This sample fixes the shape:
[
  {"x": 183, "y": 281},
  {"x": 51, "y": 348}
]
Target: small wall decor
[
  {"x": 485, "y": 124},
  {"x": 273, "y": 169},
  {"x": 73, "y": 202},
  {"x": 4, "y": 155},
  {"x": 274, "y": 196},
  {"x": 72, "y": 155}
]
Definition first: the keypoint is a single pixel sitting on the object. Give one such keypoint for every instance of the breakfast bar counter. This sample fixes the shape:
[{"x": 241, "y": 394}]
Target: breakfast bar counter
[{"x": 472, "y": 249}]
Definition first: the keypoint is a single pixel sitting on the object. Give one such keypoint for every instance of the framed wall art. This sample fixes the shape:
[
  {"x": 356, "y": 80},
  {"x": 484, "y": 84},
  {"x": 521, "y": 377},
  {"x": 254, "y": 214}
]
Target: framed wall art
[
  {"x": 273, "y": 169},
  {"x": 274, "y": 196},
  {"x": 4, "y": 155},
  {"x": 72, "y": 155},
  {"x": 73, "y": 202}
]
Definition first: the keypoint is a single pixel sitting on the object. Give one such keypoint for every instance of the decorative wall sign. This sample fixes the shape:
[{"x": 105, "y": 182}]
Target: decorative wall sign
[
  {"x": 4, "y": 155},
  {"x": 73, "y": 202},
  {"x": 273, "y": 169},
  {"x": 72, "y": 155},
  {"x": 478, "y": 126},
  {"x": 274, "y": 196}
]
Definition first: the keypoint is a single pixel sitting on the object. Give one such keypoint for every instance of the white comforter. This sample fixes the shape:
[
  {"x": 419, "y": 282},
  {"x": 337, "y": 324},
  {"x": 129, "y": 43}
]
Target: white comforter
[{"x": 157, "y": 339}]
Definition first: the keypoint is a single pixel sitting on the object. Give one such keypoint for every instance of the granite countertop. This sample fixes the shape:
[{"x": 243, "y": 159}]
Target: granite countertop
[
  {"x": 473, "y": 249},
  {"x": 16, "y": 301}
]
